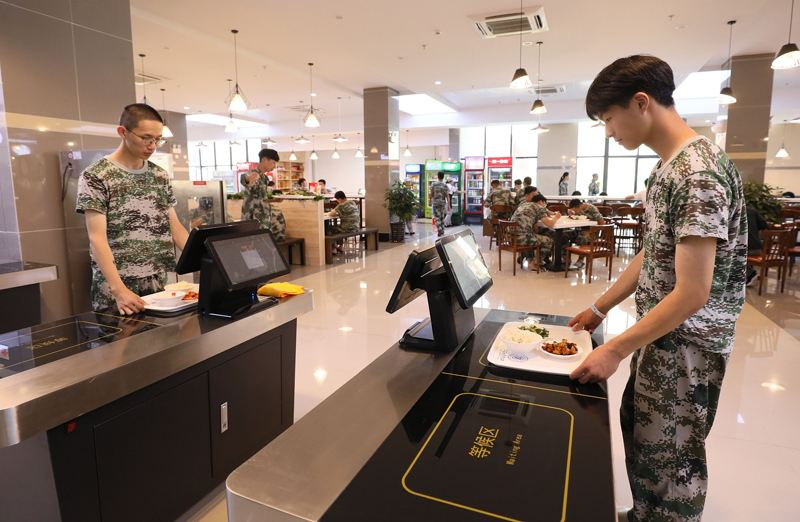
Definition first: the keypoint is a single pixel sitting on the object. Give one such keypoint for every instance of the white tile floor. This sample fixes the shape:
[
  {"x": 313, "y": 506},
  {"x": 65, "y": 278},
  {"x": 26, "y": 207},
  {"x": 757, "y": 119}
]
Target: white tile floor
[{"x": 754, "y": 448}]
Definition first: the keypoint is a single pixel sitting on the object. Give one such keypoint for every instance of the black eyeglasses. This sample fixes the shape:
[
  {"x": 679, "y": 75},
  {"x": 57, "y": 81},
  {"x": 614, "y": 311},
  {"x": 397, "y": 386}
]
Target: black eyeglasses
[{"x": 159, "y": 141}]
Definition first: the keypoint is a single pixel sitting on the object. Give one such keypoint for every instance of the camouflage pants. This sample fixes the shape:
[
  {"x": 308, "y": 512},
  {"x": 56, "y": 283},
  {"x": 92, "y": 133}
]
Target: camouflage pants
[
  {"x": 545, "y": 244},
  {"x": 101, "y": 293},
  {"x": 439, "y": 212},
  {"x": 667, "y": 411},
  {"x": 277, "y": 225}
]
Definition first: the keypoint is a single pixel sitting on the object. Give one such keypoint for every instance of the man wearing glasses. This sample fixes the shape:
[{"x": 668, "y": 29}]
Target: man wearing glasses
[{"x": 128, "y": 203}]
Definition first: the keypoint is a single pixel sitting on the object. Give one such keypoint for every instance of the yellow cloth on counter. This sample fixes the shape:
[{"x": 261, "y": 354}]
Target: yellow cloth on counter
[{"x": 280, "y": 290}]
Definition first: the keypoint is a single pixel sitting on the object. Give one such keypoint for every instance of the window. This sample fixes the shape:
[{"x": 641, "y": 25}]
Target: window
[
  {"x": 586, "y": 167},
  {"x": 621, "y": 176},
  {"x": 644, "y": 167}
]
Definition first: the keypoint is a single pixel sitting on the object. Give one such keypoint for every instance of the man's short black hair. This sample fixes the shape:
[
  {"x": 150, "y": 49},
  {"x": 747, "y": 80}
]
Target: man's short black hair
[
  {"x": 539, "y": 197},
  {"x": 322, "y": 181},
  {"x": 301, "y": 181},
  {"x": 527, "y": 180},
  {"x": 135, "y": 112},
  {"x": 517, "y": 182},
  {"x": 269, "y": 154},
  {"x": 340, "y": 195},
  {"x": 574, "y": 203},
  {"x": 529, "y": 190},
  {"x": 270, "y": 183},
  {"x": 494, "y": 182},
  {"x": 576, "y": 193},
  {"x": 440, "y": 175},
  {"x": 618, "y": 82},
  {"x": 536, "y": 189},
  {"x": 604, "y": 193}
]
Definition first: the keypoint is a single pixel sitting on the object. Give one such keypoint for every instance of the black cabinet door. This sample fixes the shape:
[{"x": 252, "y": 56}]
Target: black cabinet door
[
  {"x": 249, "y": 387},
  {"x": 153, "y": 460}
]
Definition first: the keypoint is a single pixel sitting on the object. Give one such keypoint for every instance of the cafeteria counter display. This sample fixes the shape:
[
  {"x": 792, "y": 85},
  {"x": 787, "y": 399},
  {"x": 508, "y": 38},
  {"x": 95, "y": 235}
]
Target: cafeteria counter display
[
  {"x": 421, "y": 436},
  {"x": 105, "y": 417}
]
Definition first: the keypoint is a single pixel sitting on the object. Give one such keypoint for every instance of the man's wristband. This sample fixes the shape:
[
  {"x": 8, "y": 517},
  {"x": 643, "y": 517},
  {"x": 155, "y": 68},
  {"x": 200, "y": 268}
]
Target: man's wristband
[{"x": 597, "y": 312}]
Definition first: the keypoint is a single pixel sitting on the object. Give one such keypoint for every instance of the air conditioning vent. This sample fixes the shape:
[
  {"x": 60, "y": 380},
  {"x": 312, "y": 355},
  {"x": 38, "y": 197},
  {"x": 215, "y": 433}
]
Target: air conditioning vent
[
  {"x": 146, "y": 79},
  {"x": 530, "y": 21},
  {"x": 551, "y": 90}
]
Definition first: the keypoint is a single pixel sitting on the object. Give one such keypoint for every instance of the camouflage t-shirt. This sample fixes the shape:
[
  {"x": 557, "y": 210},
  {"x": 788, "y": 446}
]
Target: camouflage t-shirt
[
  {"x": 349, "y": 217},
  {"x": 135, "y": 204},
  {"x": 256, "y": 198},
  {"x": 501, "y": 196},
  {"x": 439, "y": 193},
  {"x": 592, "y": 213},
  {"x": 697, "y": 193}
]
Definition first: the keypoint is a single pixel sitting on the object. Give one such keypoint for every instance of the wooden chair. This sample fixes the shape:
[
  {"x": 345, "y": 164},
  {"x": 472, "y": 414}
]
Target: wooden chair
[
  {"x": 790, "y": 214},
  {"x": 601, "y": 245},
  {"x": 605, "y": 210},
  {"x": 628, "y": 229},
  {"x": 507, "y": 240},
  {"x": 557, "y": 207},
  {"x": 775, "y": 244},
  {"x": 617, "y": 206},
  {"x": 501, "y": 212}
]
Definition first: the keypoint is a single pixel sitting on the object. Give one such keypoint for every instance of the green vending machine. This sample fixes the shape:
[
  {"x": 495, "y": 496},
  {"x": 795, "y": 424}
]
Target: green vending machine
[{"x": 453, "y": 172}]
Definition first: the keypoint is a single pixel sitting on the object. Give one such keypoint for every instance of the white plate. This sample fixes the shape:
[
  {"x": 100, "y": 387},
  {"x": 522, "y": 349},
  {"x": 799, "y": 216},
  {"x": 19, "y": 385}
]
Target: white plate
[
  {"x": 184, "y": 305},
  {"x": 536, "y": 360}
]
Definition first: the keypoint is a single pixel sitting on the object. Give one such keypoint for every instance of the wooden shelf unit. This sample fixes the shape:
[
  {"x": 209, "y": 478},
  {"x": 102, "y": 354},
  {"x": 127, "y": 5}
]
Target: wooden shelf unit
[{"x": 287, "y": 173}]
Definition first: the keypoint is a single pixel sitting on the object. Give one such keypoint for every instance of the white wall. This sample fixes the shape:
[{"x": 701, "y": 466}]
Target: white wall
[
  {"x": 345, "y": 173},
  {"x": 784, "y": 173},
  {"x": 557, "y": 151}
]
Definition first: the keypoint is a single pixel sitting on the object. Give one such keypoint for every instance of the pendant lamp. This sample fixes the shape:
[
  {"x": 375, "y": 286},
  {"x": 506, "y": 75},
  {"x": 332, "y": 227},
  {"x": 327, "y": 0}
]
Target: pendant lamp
[
  {"x": 339, "y": 138},
  {"x": 726, "y": 96},
  {"x": 144, "y": 80},
  {"x": 237, "y": 102},
  {"x": 292, "y": 156},
  {"x": 335, "y": 154},
  {"x": 166, "y": 132},
  {"x": 520, "y": 80},
  {"x": 407, "y": 153},
  {"x": 269, "y": 142},
  {"x": 782, "y": 153},
  {"x": 231, "y": 126},
  {"x": 538, "y": 105},
  {"x": 311, "y": 119},
  {"x": 788, "y": 57}
]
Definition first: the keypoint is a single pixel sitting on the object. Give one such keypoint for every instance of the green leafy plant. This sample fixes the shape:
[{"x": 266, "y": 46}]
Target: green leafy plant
[
  {"x": 237, "y": 195},
  {"x": 761, "y": 197},
  {"x": 401, "y": 201}
]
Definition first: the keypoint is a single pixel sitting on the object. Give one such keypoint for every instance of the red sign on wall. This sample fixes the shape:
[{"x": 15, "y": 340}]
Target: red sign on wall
[{"x": 499, "y": 162}]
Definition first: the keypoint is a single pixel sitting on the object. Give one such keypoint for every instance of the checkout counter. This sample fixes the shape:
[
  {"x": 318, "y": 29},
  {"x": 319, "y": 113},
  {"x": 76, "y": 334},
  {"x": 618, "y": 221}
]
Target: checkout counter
[
  {"x": 105, "y": 417},
  {"x": 434, "y": 430}
]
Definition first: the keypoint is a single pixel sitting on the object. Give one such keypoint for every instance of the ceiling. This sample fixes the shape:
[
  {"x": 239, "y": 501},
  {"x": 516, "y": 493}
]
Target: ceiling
[{"x": 410, "y": 45}]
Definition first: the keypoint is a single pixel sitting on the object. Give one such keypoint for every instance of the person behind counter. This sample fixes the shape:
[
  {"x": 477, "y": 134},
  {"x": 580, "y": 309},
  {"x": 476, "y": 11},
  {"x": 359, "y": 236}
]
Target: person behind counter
[
  {"x": 302, "y": 185},
  {"x": 132, "y": 225},
  {"x": 257, "y": 193},
  {"x": 563, "y": 184},
  {"x": 689, "y": 285},
  {"x": 322, "y": 186}
]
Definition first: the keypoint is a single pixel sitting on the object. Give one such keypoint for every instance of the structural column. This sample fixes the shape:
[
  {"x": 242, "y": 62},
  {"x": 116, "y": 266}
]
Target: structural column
[
  {"x": 381, "y": 149},
  {"x": 748, "y": 118}
]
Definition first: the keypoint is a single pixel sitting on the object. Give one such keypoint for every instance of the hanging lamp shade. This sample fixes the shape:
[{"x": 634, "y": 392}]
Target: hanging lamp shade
[
  {"x": 726, "y": 96},
  {"x": 538, "y": 107},
  {"x": 166, "y": 132},
  {"x": 339, "y": 138},
  {"x": 314, "y": 155},
  {"x": 237, "y": 103},
  {"x": 292, "y": 156},
  {"x": 407, "y": 153},
  {"x": 335, "y": 154},
  {"x": 540, "y": 129},
  {"x": 787, "y": 58},
  {"x": 311, "y": 119},
  {"x": 359, "y": 153},
  {"x": 521, "y": 80},
  {"x": 269, "y": 142},
  {"x": 782, "y": 152},
  {"x": 301, "y": 139}
]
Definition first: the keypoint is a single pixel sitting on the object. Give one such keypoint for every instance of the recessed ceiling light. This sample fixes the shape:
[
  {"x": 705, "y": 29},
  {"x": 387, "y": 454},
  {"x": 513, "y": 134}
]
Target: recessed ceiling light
[
  {"x": 438, "y": 82},
  {"x": 186, "y": 108},
  {"x": 313, "y": 94},
  {"x": 773, "y": 386},
  {"x": 527, "y": 44},
  {"x": 346, "y": 329}
]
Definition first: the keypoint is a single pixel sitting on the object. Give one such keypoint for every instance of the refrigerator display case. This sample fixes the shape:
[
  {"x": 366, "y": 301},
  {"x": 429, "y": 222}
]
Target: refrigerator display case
[
  {"x": 474, "y": 176},
  {"x": 199, "y": 202},
  {"x": 500, "y": 168},
  {"x": 413, "y": 180},
  {"x": 452, "y": 171}
]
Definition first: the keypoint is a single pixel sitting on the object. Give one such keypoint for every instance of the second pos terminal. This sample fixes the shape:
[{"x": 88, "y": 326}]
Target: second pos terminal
[
  {"x": 454, "y": 276},
  {"x": 233, "y": 259}
]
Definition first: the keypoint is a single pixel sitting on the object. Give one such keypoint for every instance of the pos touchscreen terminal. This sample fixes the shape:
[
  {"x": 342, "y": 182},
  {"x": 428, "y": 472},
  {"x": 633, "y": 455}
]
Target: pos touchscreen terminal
[{"x": 454, "y": 276}]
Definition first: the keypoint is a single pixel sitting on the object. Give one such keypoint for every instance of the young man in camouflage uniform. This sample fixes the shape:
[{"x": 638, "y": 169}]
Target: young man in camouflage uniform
[
  {"x": 499, "y": 196},
  {"x": 128, "y": 204},
  {"x": 519, "y": 192},
  {"x": 257, "y": 193},
  {"x": 527, "y": 216},
  {"x": 689, "y": 284},
  {"x": 347, "y": 212},
  {"x": 440, "y": 202},
  {"x": 582, "y": 208}
]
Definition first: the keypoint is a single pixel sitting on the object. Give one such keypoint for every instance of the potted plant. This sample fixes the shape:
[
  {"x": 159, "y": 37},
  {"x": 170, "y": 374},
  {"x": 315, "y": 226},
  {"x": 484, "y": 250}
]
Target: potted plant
[
  {"x": 761, "y": 197},
  {"x": 402, "y": 203}
]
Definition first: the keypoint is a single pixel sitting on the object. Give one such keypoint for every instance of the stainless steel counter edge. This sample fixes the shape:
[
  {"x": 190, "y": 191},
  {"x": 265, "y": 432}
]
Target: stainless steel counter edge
[
  {"x": 296, "y": 477},
  {"x": 41, "y": 274},
  {"x": 44, "y": 397}
]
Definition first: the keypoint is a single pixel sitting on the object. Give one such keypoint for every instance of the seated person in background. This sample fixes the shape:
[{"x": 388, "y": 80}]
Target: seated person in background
[
  {"x": 302, "y": 185},
  {"x": 581, "y": 208},
  {"x": 528, "y": 215},
  {"x": 322, "y": 186},
  {"x": 499, "y": 196},
  {"x": 545, "y": 226},
  {"x": 576, "y": 192},
  {"x": 519, "y": 192},
  {"x": 347, "y": 212},
  {"x": 788, "y": 194},
  {"x": 604, "y": 193}
]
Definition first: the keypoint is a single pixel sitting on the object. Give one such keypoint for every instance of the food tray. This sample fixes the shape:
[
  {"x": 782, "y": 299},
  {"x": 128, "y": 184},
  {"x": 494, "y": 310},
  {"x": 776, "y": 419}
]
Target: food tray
[
  {"x": 151, "y": 307},
  {"x": 537, "y": 360}
]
